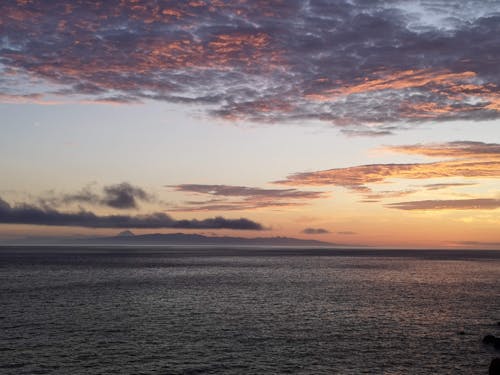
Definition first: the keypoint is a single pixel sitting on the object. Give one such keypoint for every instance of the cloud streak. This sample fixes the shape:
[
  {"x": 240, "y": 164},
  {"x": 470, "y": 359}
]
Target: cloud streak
[
  {"x": 447, "y": 185},
  {"x": 458, "y": 149},
  {"x": 470, "y": 160},
  {"x": 230, "y": 197},
  {"x": 315, "y": 231},
  {"x": 362, "y": 66},
  {"x": 358, "y": 177},
  {"x": 452, "y": 204},
  {"x": 34, "y": 215}
]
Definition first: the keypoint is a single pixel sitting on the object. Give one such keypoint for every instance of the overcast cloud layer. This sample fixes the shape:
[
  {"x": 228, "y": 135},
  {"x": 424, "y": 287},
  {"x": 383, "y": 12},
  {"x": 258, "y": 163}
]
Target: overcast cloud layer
[{"x": 366, "y": 66}]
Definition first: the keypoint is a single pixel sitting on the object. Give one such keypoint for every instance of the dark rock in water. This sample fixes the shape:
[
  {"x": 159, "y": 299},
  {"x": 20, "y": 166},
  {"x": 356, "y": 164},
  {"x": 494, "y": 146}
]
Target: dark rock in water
[
  {"x": 461, "y": 333},
  {"x": 489, "y": 340},
  {"x": 494, "y": 367}
]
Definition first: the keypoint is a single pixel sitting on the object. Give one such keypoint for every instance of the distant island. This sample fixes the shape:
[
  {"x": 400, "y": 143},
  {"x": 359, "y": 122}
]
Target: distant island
[{"x": 129, "y": 238}]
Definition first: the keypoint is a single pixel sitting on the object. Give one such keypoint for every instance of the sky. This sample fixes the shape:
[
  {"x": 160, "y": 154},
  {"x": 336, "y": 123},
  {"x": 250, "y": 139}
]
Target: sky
[{"x": 356, "y": 122}]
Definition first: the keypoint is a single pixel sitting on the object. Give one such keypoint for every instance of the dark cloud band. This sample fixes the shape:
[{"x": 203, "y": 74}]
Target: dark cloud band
[{"x": 30, "y": 214}]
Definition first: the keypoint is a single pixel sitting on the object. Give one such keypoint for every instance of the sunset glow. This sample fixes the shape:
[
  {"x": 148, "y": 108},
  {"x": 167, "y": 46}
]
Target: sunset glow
[{"x": 351, "y": 122}]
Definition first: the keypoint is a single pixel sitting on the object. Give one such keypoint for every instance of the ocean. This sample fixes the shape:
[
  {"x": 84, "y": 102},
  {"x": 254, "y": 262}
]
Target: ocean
[{"x": 186, "y": 310}]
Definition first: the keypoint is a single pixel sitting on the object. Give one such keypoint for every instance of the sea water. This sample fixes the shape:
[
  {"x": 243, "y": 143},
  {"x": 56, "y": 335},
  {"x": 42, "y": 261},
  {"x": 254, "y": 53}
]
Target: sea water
[{"x": 153, "y": 310}]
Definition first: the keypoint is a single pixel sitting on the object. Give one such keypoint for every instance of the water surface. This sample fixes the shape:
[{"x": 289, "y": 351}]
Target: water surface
[{"x": 246, "y": 311}]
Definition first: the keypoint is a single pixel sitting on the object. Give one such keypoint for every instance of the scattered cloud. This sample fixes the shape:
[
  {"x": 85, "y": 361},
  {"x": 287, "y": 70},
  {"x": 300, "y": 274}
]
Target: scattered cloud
[
  {"x": 356, "y": 178},
  {"x": 447, "y": 185},
  {"x": 124, "y": 195},
  {"x": 469, "y": 160},
  {"x": 450, "y": 204},
  {"x": 457, "y": 149},
  {"x": 35, "y": 215},
  {"x": 120, "y": 196},
  {"x": 229, "y": 190},
  {"x": 359, "y": 65},
  {"x": 315, "y": 231},
  {"x": 361, "y": 132},
  {"x": 347, "y": 233},
  {"x": 229, "y": 197},
  {"x": 376, "y": 196}
]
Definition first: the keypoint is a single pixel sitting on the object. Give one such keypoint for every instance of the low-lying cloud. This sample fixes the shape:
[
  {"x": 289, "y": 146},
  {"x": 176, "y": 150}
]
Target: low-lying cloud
[
  {"x": 315, "y": 231},
  {"x": 449, "y": 204},
  {"x": 346, "y": 233},
  {"x": 34, "y": 215}
]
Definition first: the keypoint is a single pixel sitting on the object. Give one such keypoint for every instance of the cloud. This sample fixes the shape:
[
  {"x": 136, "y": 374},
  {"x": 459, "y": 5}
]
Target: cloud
[
  {"x": 229, "y": 190},
  {"x": 458, "y": 149},
  {"x": 315, "y": 231},
  {"x": 375, "y": 196},
  {"x": 458, "y": 204},
  {"x": 120, "y": 196},
  {"x": 124, "y": 195},
  {"x": 347, "y": 233},
  {"x": 356, "y": 178},
  {"x": 34, "y": 215},
  {"x": 229, "y": 197},
  {"x": 447, "y": 185},
  {"x": 359, "y": 65},
  {"x": 366, "y": 132},
  {"x": 470, "y": 160}
]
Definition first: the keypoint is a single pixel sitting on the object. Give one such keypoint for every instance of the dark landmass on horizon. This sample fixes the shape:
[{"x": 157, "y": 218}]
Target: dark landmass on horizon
[{"x": 128, "y": 238}]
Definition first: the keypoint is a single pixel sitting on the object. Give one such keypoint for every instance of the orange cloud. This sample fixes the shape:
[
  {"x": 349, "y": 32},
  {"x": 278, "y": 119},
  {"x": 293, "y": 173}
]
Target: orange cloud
[
  {"x": 468, "y": 160},
  {"x": 441, "y": 186},
  {"x": 450, "y": 204},
  {"x": 394, "y": 81},
  {"x": 456, "y": 92},
  {"x": 431, "y": 109},
  {"x": 459, "y": 149},
  {"x": 357, "y": 177}
]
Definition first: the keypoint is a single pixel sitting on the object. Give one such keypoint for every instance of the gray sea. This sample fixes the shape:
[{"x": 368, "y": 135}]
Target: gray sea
[{"x": 153, "y": 310}]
